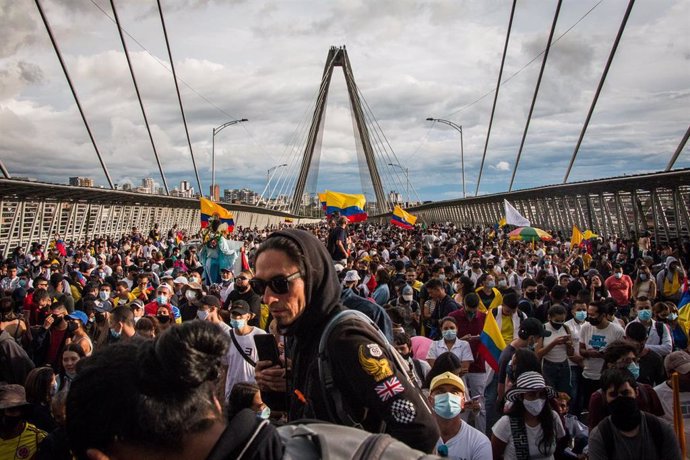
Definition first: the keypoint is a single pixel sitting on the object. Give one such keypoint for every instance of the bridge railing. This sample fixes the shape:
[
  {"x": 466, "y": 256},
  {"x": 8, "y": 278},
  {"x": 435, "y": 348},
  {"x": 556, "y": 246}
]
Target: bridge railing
[
  {"x": 657, "y": 203},
  {"x": 36, "y": 212}
]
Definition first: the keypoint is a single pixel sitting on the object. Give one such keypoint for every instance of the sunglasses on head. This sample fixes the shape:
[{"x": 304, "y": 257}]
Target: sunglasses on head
[
  {"x": 279, "y": 284},
  {"x": 243, "y": 278}
]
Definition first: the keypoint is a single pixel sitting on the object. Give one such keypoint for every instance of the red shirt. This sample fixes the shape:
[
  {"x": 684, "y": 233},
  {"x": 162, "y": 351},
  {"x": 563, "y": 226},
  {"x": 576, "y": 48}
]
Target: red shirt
[
  {"x": 56, "y": 339},
  {"x": 151, "y": 308},
  {"x": 620, "y": 289},
  {"x": 472, "y": 327}
]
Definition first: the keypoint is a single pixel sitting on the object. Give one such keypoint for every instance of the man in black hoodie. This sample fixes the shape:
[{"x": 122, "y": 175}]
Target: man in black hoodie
[{"x": 295, "y": 274}]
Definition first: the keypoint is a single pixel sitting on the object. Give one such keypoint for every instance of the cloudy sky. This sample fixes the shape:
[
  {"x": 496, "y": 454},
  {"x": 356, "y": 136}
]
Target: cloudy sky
[{"x": 412, "y": 60}]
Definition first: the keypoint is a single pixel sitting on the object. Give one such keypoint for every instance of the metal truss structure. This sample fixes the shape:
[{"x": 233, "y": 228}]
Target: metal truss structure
[
  {"x": 623, "y": 206},
  {"x": 337, "y": 57},
  {"x": 36, "y": 212}
]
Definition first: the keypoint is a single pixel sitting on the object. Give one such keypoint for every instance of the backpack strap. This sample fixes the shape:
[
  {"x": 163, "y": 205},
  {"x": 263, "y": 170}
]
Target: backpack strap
[
  {"x": 332, "y": 395},
  {"x": 253, "y": 436},
  {"x": 659, "y": 331},
  {"x": 239, "y": 348}
]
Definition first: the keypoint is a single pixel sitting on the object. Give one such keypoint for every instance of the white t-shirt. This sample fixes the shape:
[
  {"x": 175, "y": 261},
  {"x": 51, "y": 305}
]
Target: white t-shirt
[
  {"x": 665, "y": 393},
  {"x": 468, "y": 444},
  {"x": 461, "y": 349},
  {"x": 597, "y": 339},
  {"x": 534, "y": 434},
  {"x": 559, "y": 353},
  {"x": 239, "y": 370}
]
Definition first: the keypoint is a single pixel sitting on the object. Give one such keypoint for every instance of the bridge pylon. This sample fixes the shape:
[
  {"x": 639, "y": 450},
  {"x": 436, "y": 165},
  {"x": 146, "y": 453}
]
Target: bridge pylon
[{"x": 337, "y": 57}]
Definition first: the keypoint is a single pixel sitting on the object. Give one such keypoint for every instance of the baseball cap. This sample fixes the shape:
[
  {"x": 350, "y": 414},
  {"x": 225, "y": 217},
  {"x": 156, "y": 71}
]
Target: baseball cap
[
  {"x": 136, "y": 303},
  {"x": 677, "y": 361},
  {"x": 80, "y": 315},
  {"x": 352, "y": 275},
  {"x": 241, "y": 307},
  {"x": 226, "y": 269},
  {"x": 339, "y": 268},
  {"x": 532, "y": 326},
  {"x": 447, "y": 378},
  {"x": 407, "y": 290},
  {"x": 210, "y": 300},
  {"x": 180, "y": 280}
]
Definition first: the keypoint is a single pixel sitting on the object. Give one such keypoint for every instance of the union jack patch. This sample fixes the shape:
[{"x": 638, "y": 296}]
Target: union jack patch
[{"x": 389, "y": 388}]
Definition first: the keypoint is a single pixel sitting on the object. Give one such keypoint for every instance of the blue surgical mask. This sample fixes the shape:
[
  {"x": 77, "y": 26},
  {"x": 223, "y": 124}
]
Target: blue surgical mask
[
  {"x": 450, "y": 334},
  {"x": 265, "y": 413},
  {"x": 115, "y": 333},
  {"x": 447, "y": 405},
  {"x": 672, "y": 317},
  {"x": 490, "y": 284},
  {"x": 104, "y": 295},
  {"x": 644, "y": 315},
  {"x": 162, "y": 300},
  {"x": 580, "y": 315},
  {"x": 237, "y": 323},
  {"x": 634, "y": 369}
]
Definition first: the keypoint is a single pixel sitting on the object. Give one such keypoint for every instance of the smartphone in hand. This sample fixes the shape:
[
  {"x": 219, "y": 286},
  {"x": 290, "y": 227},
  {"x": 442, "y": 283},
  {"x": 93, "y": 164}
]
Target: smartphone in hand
[{"x": 267, "y": 349}]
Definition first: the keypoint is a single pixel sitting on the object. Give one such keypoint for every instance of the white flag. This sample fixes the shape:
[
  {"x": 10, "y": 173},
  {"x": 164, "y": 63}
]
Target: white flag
[{"x": 513, "y": 217}]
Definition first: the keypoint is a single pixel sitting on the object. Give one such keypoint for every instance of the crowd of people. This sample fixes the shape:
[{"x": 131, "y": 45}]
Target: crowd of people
[{"x": 135, "y": 347}]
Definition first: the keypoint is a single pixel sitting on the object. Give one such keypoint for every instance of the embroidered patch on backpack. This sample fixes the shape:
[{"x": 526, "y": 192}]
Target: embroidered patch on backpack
[
  {"x": 380, "y": 369},
  {"x": 403, "y": 411}
]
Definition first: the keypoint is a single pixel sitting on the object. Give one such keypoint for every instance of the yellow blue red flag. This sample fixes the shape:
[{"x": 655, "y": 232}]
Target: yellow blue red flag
[
  {"x": 491, "y": 342},
  {"x": 345, "y": 204},
  {"x": 403, "y": 219},
  {"x": 576, "y": 237},
  {"x": 684, "y": 307},
  {"x": 211, "y": 210}
]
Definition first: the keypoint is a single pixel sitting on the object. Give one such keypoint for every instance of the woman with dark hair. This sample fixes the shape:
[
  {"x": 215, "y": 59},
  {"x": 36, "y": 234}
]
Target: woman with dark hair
[
  {"x": 382, "y": 292},
  {"x": 245, "y": 395},
  {"x": 71, "y": 355},
  {"x": 531, "y": 429},
  {"x": 452, "y": 343},
  {"x": 40, "y": 388},
  {"x": 445, "y": 362},
  {"x": 154, "y": 399}
]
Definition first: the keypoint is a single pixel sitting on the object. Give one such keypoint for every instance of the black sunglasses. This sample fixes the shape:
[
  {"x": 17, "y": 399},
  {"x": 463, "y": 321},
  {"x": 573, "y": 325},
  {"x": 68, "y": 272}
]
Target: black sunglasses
[{"x": 279, "y": 284}]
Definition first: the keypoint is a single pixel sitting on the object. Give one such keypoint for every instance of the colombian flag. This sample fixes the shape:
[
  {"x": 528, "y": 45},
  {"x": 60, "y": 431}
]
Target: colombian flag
[
  {"x": 491, "y": 341},
  {"x": 211, "y": 210},
  {"x": 576, "y": 238},
  {"x": 403, "y": 219},
  {"x": 350, "y": 206}
]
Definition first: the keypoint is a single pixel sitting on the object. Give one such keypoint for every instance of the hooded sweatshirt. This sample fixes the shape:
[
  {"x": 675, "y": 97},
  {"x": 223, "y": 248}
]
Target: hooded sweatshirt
[{"x": 373, "y": 390}]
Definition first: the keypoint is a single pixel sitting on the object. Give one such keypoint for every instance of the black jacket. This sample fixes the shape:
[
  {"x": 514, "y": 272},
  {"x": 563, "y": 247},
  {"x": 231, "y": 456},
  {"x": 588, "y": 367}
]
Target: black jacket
[
  {"x": 252, "y": 298},
  {"x": 15, "y": 364},
  {"x": 364, "y": 371}
]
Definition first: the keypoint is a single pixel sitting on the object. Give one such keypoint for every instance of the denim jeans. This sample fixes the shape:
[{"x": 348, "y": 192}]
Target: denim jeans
[
  {"x": 577, "y": 398},
  {"x": 557, "y": 375},
  {"x": 490, "y": 395},
  {"x": 475, "y": 383}
]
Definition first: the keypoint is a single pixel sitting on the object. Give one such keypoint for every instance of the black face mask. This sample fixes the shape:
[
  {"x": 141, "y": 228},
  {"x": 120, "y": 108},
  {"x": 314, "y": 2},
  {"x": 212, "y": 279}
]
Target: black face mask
[
  {"x": 163, "y": 319},
  {"x": 100, "y": 317},
  {"x": 531, "y": 295},
  {"x": 625, "y": 415},
  {"x": 9, "y": 423},
  {"x": 58, "y": 320},
  {"x": 593, "y": 321},
  {"x": 476, "y": 266},
  {"x": 72, "y": 327},
  {"x": 556, "y": 326}
]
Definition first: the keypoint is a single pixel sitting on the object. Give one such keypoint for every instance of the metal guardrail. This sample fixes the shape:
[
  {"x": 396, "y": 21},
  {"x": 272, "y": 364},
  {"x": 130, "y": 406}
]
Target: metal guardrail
[
  {"x": 626, "y": 205},
  {"x": 35, "y": 212}
]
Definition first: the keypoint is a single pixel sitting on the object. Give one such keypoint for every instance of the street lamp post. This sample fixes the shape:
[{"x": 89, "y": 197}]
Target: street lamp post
[
  {"x": 407, "y": 180},
  {"x": 213, "y": 150},
  {"x": 462, "y": 153}
]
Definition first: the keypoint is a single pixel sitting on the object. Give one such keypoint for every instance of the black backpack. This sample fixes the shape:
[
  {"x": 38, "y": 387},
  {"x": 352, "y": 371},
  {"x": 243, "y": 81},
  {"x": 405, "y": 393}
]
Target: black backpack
[{"x": 332, "y": 395}]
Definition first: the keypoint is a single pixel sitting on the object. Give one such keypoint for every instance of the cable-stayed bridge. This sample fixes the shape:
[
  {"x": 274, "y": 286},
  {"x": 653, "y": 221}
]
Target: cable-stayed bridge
[{"x": 627, "y": 205}]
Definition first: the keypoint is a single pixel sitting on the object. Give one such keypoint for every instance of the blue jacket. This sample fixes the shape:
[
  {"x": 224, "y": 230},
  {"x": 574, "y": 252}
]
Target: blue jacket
[{"x": 372, "y": 310}]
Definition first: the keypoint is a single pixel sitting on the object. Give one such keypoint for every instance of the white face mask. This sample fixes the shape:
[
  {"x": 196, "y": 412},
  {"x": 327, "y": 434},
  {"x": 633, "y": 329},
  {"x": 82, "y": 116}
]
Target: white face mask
[
  {"x": 534, "y": 407},
  {"x": 191, "y": 295}
]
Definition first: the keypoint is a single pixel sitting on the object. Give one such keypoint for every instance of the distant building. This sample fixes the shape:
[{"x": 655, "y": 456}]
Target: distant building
[
  {"x": 243, "y": 195},
  {"x": 81, "y": 181},
  {"x": 183, "y": 191},
  {"x": 215, "y": 192},
  {"x": 147, "y": 186},
  {"x": 127, "y": 187}
]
